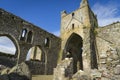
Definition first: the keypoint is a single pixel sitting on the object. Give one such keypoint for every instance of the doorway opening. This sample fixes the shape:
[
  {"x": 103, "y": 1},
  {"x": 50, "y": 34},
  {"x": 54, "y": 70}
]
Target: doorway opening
[{"x": 73, "y": 49}]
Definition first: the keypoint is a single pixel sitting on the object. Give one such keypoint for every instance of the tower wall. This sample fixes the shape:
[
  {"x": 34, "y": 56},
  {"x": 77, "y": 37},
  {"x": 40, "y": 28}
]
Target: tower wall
[{"x": 82, "y": 22}]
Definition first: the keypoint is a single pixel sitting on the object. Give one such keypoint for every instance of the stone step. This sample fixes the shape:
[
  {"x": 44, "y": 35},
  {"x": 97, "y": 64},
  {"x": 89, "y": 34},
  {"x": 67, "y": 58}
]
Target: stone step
[{"x": 42, "y": 77}]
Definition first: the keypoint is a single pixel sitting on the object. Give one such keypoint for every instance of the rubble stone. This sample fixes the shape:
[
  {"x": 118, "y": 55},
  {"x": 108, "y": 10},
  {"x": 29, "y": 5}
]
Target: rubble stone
[
  {"x": 18, "y": 72},
  {"x": 117, "y": 70}
]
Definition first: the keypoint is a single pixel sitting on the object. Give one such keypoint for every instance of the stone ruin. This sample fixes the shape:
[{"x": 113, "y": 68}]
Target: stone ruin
[
  {"x": 95, "y": 51},
  {"x": 26, "y": 36},
  {"x": 84, "y": 51}
]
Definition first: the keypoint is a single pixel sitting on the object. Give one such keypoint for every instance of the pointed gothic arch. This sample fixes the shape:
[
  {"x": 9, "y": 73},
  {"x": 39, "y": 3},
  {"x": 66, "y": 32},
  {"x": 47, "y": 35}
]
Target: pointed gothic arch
[
  {"x": 23, "y": 35},
  {"x": 73, "y": 48},
  {"x": 29, "y": 36},
  {"x": 7, "y": 46},
  {"x": 36, "y": 53},
  {"x": 15, "y": 53},
  {"x": 12, "y": 41}
]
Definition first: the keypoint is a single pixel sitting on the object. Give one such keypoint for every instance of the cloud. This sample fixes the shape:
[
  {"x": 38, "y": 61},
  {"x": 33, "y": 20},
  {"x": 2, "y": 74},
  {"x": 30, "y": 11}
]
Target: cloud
[
  {"x": 107, "y": 13},
  {"x": 7, "y": 50},
  {"x": 6, "y": 41},
  {"x": 57, "y": 33},
  {"x": 7, "y": 46}
]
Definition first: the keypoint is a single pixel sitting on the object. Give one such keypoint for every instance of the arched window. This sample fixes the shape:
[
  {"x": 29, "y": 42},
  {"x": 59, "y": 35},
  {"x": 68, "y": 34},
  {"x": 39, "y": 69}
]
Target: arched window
[
  {"x": 47, "y": 42},
  {"x": 35, "y": 53},
  {"x": 73, "y": 26},
  {"x": 73, "y": 14},
  {"x": 29, "y": 37},
  {"x": 23, "y": 35}
]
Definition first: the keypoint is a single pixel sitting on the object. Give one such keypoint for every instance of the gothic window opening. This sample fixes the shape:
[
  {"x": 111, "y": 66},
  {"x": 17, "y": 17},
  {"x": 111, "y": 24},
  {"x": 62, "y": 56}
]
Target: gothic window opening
[
  {"x": 29, "y": 37},
  {"x": 23, "y": 35},
  {"x": 47, "y": 42},
  {"x": 35, "y": 54},
  {"x": 73, "y": 14},
  {"x": 73, "y": 26}
]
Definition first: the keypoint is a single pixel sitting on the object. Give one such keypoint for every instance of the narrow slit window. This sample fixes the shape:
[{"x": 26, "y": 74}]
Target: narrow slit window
[
  {"x": 47, "y": 42},
  {"x": 23, "y": 35},
  {"x": 73, "y": 26},
  {"x": 73, "y": 14},
  {"x": 29, "y": 37}
]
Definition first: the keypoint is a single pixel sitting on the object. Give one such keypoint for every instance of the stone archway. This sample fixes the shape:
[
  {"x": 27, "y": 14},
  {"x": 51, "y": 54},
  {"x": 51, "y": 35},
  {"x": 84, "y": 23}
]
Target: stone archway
[
  {"x": 9, "y": 57},
  {"x": 35, "y": 59},
  {"x": 36, "y": 53},
  {"x": 73, "y": 48},
  {"x": 7, "y": 46},
  {"x": 14, "y": 42}
]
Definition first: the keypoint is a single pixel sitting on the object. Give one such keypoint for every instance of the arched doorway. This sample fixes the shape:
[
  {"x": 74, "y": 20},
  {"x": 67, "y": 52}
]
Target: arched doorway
[
  {"x": 73, "y": 48},
  {"x": 35, "y": 54}
]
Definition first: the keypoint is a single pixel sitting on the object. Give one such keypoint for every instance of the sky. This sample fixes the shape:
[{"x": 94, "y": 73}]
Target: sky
[{"x": 46, "y": 13}]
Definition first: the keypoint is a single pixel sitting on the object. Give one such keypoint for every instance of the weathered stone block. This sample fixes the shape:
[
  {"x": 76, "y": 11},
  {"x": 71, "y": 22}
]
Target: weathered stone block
[
  {"x": 95, "y": 74},
  {"x": 5, "y": 71},
  {"x": 102, "y": 61},
  {"x": 81, "y": 75},
  {"x": 109, "y": 59},
  {"x": 22, "y": 69},
  {"x": 117, "y": 70},
  {"x": 115, "y": 56},
  {"x": 103, "y": 55}
]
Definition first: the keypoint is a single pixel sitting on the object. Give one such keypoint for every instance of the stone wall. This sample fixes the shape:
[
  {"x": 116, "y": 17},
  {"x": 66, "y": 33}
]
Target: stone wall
[
  {"x": 7, "y": 60},
  {"x": 81, "y": 22},
  {"x": 38, "y": 68},
  {"x": 108, "y": 45},
  {"x": 26, "y": 35}
]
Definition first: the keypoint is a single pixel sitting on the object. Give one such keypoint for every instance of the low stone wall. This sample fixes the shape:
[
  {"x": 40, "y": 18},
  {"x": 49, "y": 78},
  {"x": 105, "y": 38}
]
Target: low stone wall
[
  {"x": 8, "y": 61},
  {"x": 36, "y": 67}
]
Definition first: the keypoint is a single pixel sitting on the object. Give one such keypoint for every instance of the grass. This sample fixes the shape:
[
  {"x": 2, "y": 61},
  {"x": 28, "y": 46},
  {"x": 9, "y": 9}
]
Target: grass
[{"x": 42, "y": 77}]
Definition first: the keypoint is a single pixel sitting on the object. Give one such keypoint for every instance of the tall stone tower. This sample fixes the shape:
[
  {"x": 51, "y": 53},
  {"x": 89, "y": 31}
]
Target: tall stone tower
[{"x": 78, "y": 37}]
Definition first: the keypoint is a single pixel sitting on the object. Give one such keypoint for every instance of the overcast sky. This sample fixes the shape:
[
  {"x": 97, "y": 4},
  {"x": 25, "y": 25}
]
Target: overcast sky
[{"x": 46, "y": 13}]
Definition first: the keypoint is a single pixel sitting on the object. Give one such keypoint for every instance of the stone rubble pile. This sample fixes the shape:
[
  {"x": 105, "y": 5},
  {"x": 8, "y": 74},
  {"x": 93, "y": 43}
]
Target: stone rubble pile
[
  {"x": 63, "y": 71},
  {"x": 109, "y": 68},
  {"x": 18, "y": 72},
  {"x": 110, "y": 65}
]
